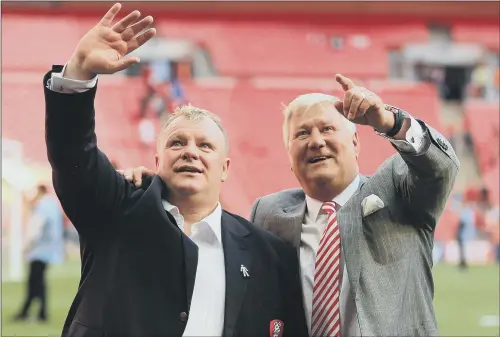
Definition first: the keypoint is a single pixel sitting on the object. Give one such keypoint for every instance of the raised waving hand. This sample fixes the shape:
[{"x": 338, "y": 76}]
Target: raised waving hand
[{"x": 103, "y": 49}]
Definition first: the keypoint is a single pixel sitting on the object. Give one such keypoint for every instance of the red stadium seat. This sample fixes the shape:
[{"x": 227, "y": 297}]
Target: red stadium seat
[
  {"x": 483, "y": 120},
  {"x": 46, "y": 40},
  {"x": 487, "y": 35},
  {"x": 492, "y": 181}
]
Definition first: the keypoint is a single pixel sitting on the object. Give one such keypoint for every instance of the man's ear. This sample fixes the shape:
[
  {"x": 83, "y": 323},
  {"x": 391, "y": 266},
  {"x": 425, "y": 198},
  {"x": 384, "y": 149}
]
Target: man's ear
[
  {"x": 357, "y": 144},
  {"x": 225, "y": 169}
]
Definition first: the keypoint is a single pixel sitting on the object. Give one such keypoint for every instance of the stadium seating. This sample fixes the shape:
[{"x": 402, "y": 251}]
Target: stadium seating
[
  {"x": 447, "y": 226},
  {"x": 492, "y": 181},
  {"x": 258, "y": 61},
  {"x": 236, "y": 48},
  {"x": 276, "y": 48},
  {"x": 483, "y": 120},
  {"x": 487, "y": 35},
  {"x": 46, "y": 40},
  {"x": 23, "y": 116}
]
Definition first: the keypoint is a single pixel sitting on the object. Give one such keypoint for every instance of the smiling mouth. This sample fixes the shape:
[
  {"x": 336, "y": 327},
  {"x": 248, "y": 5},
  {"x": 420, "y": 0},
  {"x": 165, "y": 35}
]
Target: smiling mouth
[
  {"x": 318, "y": 159},
  {"x": 188, "y": 169}
]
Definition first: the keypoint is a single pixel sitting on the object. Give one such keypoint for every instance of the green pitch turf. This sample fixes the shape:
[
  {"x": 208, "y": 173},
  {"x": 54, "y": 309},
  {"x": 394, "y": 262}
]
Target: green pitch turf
[{"x": 463, "y": 301}]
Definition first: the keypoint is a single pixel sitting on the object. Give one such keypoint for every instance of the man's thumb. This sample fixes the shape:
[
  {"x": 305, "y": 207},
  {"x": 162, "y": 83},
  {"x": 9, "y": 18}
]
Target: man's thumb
[{"x": 124, "y": 63}]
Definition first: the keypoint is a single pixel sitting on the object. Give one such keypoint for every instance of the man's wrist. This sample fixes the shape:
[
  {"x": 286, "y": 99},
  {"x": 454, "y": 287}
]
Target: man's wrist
[
  {"x": 74, "y": 71},
  {"x": 387, "y": 123},
  {"x": 395, "y": 125}
]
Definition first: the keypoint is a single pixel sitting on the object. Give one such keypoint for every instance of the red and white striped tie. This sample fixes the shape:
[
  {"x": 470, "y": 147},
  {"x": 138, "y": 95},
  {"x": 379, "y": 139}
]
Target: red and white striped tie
[{"x": 326, "y": 292}]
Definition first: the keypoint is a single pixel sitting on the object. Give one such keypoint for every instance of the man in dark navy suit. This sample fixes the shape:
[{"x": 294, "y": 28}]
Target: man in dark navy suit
[{"x": 163, "y": 259}]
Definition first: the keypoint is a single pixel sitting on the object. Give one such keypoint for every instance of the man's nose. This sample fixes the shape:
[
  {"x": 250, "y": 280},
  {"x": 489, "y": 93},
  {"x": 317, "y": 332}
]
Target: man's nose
[
  {"x": 190, "y": 152},
  {"x": 316, "y": 140}
]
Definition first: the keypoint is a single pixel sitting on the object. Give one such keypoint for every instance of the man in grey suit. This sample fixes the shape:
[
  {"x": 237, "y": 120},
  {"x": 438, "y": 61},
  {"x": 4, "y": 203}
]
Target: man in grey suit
[
  {"x": 365, "y": 243},
  {"x": 386, "y": 221}
]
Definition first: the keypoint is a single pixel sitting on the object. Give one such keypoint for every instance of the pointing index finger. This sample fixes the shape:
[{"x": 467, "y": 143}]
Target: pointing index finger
[{"x": 345, "y": 82}]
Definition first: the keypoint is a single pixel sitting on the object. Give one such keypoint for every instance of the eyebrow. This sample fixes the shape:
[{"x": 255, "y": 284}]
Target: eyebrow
[
  {"x": 303, "y": 125},
  {"x": 182, "y": 136},
  {"x": 321, "y": 122}
]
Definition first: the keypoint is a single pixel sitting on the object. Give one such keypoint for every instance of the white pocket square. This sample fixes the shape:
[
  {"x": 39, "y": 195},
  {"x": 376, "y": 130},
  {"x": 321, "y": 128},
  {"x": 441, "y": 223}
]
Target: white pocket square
[{"x": 371, "y": 204}]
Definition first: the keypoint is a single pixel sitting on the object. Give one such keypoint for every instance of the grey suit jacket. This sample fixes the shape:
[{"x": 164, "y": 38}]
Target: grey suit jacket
[{"x": 388, "y": 253}]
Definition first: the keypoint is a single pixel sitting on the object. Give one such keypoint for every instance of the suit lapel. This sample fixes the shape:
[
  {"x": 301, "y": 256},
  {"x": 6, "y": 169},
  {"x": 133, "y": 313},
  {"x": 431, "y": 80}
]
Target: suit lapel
[
  {"x": 191, "y": 264},
  {"x": 158, "y": 190},
  {"x": 290, "y": 222},
  {"x": 351, "y": 231},
  {"x": 235, "y": 239}
]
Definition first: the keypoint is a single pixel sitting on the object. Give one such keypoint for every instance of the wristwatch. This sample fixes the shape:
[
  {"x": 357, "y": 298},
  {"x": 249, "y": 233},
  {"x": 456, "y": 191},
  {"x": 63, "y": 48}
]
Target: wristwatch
[{"x": 399, "y": 117}]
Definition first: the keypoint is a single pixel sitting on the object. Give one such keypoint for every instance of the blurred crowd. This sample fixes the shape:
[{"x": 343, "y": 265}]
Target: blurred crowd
[
  {"x": 478, "y": 218},
  {"x": 163, "y": 92}
]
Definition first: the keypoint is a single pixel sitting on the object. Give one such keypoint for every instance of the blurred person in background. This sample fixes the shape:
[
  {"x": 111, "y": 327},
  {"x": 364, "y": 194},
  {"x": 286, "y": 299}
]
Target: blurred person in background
[
  {"x": 491, "y": 217},
  {"x": 156, "y": 75},
  {"x": 496, "y": 82},
  {"x": 481, "y": 79},
  {"x": 493, "y": 229},
  {"x": 164, "y": 259},
  {"x": 365, "y": 243},
  {"x": 44, "y": 246},
  {"x": 176, "y": 93},
  {"x": 161, "y": 80},
  {"x": 465, "y": 207},
  {"x": 165, "y": 91}
]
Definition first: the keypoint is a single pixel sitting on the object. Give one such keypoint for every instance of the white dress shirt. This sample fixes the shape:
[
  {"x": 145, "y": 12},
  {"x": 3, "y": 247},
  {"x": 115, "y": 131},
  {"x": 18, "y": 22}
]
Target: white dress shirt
[
  {"x": 67, "y": 85},
  {"x": 312, "y": 230},
  {"x": 206, "y": 316}
]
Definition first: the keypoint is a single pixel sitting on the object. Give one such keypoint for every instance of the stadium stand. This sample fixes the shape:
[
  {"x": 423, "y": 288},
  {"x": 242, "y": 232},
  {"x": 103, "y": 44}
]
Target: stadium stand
[
  {"x": 483, "y": 120},
  {"x": 487, "y": 35},
  {"x": 255, "y": 63},
  {"x": 237, "y": 48}
]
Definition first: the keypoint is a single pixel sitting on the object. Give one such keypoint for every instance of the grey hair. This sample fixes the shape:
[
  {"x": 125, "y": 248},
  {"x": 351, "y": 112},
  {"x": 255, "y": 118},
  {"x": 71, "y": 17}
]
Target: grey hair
[
  {"x": 193, "y": 113},
  {"x": 305, "y": 102}
]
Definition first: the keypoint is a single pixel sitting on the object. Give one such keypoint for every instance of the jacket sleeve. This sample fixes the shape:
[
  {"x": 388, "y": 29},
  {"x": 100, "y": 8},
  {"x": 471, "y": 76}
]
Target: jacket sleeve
[
  {"x": 425, "y": 180},
  {"x": 90, "y": 190}
]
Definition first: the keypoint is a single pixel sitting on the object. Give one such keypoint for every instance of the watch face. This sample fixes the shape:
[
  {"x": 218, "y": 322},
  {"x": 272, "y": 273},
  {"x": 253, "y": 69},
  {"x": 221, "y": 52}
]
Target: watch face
[
  {"x": 397, "y": 111},
  {"x": 392, "y": 109}
]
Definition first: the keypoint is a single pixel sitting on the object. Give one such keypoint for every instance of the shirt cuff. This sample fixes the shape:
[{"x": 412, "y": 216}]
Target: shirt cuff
[
  {"x": 415, "y": 138},
  {"x": 64, "y": 85}
]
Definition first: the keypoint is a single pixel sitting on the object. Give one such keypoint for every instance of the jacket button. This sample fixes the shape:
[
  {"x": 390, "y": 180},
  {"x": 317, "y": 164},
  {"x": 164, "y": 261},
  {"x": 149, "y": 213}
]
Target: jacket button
[
  {"x": 442, "y": 144},
  {"x": 183, "y": 317}
]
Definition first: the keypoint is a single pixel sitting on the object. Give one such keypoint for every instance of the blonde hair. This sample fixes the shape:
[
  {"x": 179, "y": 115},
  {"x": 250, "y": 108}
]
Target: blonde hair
[
  {"x": 193, "y": 113},
  {"x": 305, "y": 102}
]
